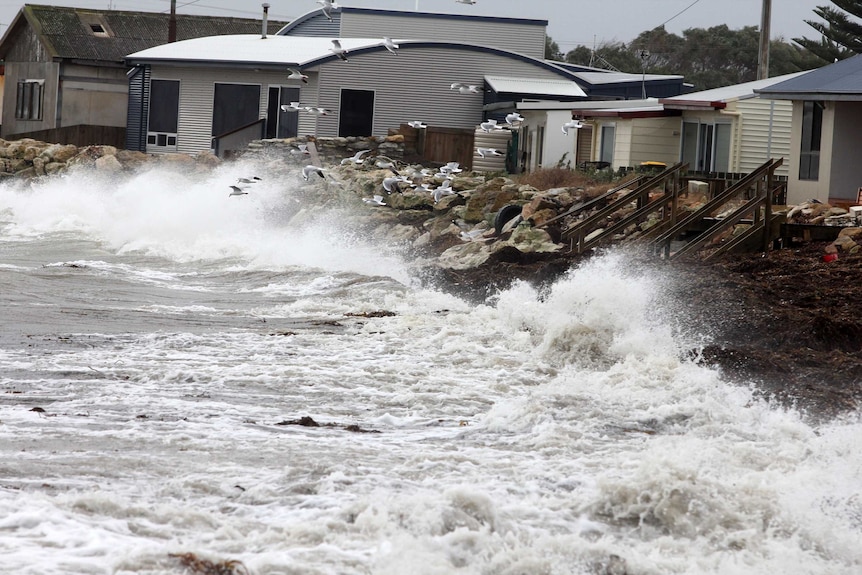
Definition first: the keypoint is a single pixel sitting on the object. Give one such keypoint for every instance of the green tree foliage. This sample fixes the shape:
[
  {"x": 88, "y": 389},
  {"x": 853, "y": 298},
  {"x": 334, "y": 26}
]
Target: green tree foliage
[
  {"x": 552, "y": 50},
  {"x": 706, "y": 57},
  {"x": 841, "y": 33}
]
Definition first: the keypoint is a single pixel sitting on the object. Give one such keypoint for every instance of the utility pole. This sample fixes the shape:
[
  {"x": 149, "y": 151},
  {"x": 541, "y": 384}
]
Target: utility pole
[{"x": 763, "y": 55}]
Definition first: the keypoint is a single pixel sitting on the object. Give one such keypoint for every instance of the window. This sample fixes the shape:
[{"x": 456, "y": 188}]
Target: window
[
  {"x": 606, "y": 151},
  {"x": 164, "y": 111},
  {"x": 235, "y": 106},
  {"x": 281, "y": 124},
  {"x": 357, "y": 113},
  {"x": 809, "y": 153},
  {"x": 706, "y": 147},
  {"x": 28, "y": 106}
]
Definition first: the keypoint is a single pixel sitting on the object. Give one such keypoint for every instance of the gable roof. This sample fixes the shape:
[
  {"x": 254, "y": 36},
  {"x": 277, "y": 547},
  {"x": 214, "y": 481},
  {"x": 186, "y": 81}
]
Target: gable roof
[
  {"x": 720, "y": 97},
  {"x": 66, "y": 33},
  {"x": 839, "y": 81}
]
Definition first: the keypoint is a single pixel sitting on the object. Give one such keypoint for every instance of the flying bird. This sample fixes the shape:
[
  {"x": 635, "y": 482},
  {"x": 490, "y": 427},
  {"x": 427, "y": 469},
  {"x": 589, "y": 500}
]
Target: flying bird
[
  {"x": 377, "y": 200},
  {"x": 485, "y": 152},
  {"x": 390, "y": 184},
  {"x": 490, "y": 125},
  {"x": 292, "y": 107},
  {"x": 385, "y": 164},
  {"x": 465, "y": 1},
  {"x": 390, "y": 45},
  {"x": 514, "y": 118},
  {"x": 310, "y": 170},
  {"x": 300, "y": 150},
  {"x": 355, "y": 159},
  {"x": 328, "y": 6},
  {"x": 251, "y": 180},
  {"x": 573, "y": 124},
  {"x": 417, "y": 124},
  {"x": 471, "y": 89},
  {"x": 317, "y": 110},
  {"x": 297, "y": 75},
  {"x": 237, "y": 191},
  {"x": 338, "y": 50},
  {"x": 445, "y": 189}
]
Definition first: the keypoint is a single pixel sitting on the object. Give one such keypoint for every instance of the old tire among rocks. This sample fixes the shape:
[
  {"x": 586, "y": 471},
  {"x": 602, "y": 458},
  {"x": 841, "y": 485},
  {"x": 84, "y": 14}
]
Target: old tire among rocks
[{"x": 505, "y": 215}]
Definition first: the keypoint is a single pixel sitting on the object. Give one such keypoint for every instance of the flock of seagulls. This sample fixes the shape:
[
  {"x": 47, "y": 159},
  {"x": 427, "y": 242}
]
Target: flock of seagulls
[{"x": 241, "y": 185}]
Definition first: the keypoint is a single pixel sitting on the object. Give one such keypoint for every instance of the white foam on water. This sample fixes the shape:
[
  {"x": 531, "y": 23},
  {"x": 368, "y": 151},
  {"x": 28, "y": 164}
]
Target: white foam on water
[
  {"x": 186, "y": 217},
  {"x": 562, "y": 431}
]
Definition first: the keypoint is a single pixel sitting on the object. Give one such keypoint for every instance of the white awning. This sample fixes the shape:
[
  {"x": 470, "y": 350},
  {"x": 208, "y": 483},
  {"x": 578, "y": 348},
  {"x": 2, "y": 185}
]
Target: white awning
[{"x": 537, "y": 86}]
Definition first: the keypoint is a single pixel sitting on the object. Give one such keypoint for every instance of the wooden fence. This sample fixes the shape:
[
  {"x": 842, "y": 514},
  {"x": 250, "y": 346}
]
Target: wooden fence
[
  {"x": 439, "y": 145},
  {"x": 80, "y": 135}
]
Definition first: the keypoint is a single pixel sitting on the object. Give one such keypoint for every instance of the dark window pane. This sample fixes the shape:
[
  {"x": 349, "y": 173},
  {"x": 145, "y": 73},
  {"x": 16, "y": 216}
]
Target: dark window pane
[
  {"x": 164, "y": 105},
  {"x": 235, "y": 106},
  {"x": 162, "y": 139},
  {"x": 357, "y": 113}
]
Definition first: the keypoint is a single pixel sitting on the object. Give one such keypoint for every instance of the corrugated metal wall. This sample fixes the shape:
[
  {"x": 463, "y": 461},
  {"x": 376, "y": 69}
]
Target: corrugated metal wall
[
  {"x": 523, "y": 38},
  {"x": 197, "y": 87},
  {"x": 137, "y": 113},
  {"x": 414, "y": 85},
  {"x": 318, "y": 26},
  {"x": 499, "y": 140},
  {"x": 755, "y": 146}
]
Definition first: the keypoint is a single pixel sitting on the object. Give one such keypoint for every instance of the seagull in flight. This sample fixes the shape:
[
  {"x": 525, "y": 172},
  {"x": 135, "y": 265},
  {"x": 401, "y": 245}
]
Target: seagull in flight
[
  {"x": 251, "y": 180},
  {"x": 417, "y": 124},
  {"x": 338, "y": 50},
  {"x": 317, "y": 110},
  {"x": 237, "y": 191},
  {"x": 297, "y": 75},
  {"x": 300, "y": 150},
  {"x": 390, "y": 45},
  {"x": 485, "y": 152},
  {"x": 328, "y": 6},
  {"x": 310, "y": 170},
  {"x": 390, "y": 184},
  {"x": 444, "y": 189},
  {"x": 464, "y": 88},
  {"x": 573, "y": 124},
  {"x": 355, "y": 159},
  {"x": 514, "y": 118},
  {"x": 465, "y": 2},
  {"x": 377, "y": 200},
  {"x": 490, "y": 125},
  {"x": 292, "y": 107}
]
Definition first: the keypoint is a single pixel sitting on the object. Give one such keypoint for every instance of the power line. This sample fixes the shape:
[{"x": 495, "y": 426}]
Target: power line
[{"x": 677, "y": 14}]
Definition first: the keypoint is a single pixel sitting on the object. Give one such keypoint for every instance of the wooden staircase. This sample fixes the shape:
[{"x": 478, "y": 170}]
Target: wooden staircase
[{"x": 675, "y": 233}]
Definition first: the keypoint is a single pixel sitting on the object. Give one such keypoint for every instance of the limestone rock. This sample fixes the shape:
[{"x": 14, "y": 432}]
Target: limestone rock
[{"x": 108, "y": 164}]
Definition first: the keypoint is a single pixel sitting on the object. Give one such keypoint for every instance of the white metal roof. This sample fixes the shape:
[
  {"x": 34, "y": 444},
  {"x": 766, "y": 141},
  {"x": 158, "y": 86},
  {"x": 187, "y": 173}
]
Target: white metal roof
[
  {"x": 728, "y": 93},
  {"x": 596, "y": 78},
  {"x": 250, "y": 49},
  {"x": 535, "y": 86}
]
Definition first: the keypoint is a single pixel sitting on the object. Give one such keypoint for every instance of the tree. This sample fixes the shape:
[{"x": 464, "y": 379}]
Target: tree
[
  {"x": 841, "y": 35},
  {"x": 614, "y": 56},
  {"x": 552, "y": 50}
]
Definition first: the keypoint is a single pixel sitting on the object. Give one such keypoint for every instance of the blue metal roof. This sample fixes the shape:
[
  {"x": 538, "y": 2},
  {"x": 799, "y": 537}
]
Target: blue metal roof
[{"x": 839, "y": 81}]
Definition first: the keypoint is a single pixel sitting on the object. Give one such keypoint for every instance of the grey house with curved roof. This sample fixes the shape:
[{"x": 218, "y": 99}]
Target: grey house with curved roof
[{"x": 215, "y": 86}]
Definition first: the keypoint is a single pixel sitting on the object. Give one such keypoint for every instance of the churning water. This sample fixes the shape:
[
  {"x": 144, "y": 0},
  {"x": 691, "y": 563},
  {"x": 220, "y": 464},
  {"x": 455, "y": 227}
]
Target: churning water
[{"x": 174, "y": 335}]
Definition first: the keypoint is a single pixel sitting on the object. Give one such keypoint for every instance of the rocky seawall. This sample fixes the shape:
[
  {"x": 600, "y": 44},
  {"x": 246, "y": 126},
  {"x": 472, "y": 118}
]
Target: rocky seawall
[{"x": 786, "y": 320}]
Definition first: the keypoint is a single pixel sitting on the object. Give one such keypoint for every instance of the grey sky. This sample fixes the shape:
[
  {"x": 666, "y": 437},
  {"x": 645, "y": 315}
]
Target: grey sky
[{"x": 570, "y": 22}]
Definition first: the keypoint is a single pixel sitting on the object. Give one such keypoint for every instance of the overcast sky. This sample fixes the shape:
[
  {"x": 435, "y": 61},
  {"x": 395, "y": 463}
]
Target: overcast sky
[{"x": 570, "y": 22}]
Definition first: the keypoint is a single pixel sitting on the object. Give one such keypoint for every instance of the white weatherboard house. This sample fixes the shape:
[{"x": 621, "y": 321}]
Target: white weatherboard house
[
  {"x": 826, "y": 132},
  {"x": 723, "y": 130},
  {"x": 185, "y": 94}
]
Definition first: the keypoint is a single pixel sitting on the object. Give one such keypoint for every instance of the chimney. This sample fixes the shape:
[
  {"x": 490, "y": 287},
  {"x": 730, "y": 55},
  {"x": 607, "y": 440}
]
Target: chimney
[
  {"x": 172, "y": 23},
  {"x": 264, "y": 25}
]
